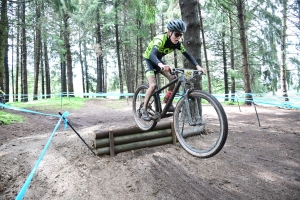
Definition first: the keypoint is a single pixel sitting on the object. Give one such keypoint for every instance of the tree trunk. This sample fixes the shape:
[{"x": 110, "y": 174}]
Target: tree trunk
[
  {"x": 137, "y": 57},
  {"x": 86, "y": 72},
  {"x": 104, "y": 76},
  {"x": 243, "y": 40},
  {"x": 232, "y": 58},
  {"x": 100, "y": 71},
  {"x": 192, "y": 41},
  {"x": 127, "y": 63},
  {"x": 12, "y": 64},
  {"x": 43, "y": 67},
  {"x": 142, "y": 72},
  {"x": 204, "y": 49},
  {"x": 81, "y": 63},
  {"x": 225, "y": 65},
  {"x": 24, "y": 84},
  {"x": 16, "y": 96},
  {"x": 47, "y": 69},
  {"x": 63, "y": 77},
  {"x": 68, "y": 55},
  {"x": 118, "y": 48},
  {"x": 37, "y": 51},
  {"x": 3, "y": 37},
  {"x": 42, "y": 72},
  {"x": 283, "y": 53},
  {"x": 6, "y": 68}
]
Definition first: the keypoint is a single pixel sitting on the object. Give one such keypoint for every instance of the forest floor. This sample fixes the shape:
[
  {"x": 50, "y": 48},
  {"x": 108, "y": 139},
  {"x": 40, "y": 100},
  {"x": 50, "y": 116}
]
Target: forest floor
[{"x": 257, "y": 162}]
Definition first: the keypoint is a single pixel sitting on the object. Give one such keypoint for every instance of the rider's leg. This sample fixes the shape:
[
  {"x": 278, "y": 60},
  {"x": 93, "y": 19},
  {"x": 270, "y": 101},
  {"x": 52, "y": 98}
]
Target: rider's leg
[
  {"x": 170, "y": 77},
  {"x": 152, "y": 85},
  {"x": 149, "y": 72}
]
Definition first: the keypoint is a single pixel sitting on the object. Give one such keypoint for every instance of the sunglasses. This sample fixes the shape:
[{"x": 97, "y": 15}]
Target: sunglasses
[{"x": 178, "y": 34}]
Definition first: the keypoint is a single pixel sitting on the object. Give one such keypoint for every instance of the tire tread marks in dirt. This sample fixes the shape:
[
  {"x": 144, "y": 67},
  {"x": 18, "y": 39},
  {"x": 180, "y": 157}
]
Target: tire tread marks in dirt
[{"x": 180, "y": 184}]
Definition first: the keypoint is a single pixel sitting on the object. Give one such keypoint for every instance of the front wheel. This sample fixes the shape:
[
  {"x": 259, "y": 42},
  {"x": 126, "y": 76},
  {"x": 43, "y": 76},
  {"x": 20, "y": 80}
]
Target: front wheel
[
  {"x": 137, "y": 104},
  {"x": 201, "y": 127}
]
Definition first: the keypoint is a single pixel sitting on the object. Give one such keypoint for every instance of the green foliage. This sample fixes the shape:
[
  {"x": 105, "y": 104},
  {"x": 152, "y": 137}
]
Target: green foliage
[
  {"x": 296, "y": 62},
  {"x": 147, "y": 9},
  {"x": 263, "y": 24},
  {"x": 8, "y": 118},
  {"x": 232, "y": 103},
  {"x": 234, "y": 73},
  {"x": 114, "y": 83}
]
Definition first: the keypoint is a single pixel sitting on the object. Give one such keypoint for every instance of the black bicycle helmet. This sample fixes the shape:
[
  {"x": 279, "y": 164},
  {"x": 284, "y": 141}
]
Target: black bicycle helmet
[{"x": 177, "y": 25}]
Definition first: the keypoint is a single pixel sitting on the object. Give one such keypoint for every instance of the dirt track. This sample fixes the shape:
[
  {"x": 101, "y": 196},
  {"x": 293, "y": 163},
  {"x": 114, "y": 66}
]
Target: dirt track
[{"x": 256, "y": 162}]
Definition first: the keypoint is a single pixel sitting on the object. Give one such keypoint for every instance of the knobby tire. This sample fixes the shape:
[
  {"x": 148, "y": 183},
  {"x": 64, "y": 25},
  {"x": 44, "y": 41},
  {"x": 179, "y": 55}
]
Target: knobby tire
[
  {"x": 208, "y": 137},
  {"x": 137, "y": 104}
]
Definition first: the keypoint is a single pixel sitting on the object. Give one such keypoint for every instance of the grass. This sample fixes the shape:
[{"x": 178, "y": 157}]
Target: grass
[
  {"x": 73, "y": 103},
  {"x": 7, "y": 118},
  {"x": 234, "y": 103}
]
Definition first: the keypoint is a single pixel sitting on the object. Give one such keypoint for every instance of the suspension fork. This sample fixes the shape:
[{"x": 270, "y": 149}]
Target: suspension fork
[
  {"x": 187, "y": 106},
  {"x": 196, "y": 111},
  {"x": 196, "y": 120}
]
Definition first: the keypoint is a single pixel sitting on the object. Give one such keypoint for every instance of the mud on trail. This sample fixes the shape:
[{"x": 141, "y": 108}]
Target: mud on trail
[{"x": 257, "y": 162}]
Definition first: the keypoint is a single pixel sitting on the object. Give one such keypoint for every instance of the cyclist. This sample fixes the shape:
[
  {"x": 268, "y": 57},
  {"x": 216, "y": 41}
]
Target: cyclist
[
  {"x": 1, "y": 95},
  {"x": 160, "y": 46}
]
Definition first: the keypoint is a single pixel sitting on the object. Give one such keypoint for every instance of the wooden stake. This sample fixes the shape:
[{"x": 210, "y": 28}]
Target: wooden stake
[{"x": 111, "y": 143}]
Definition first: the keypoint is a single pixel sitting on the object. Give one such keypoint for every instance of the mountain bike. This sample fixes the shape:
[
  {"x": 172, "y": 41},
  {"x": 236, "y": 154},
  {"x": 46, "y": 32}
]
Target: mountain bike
[{"x": 200, "y": 122}]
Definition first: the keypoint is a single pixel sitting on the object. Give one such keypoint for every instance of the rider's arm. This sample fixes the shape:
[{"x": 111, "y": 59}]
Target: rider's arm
[
  {"x": 193, "y": 61},
  {"x": 153, "y": 55},
  {"x": 190, "y": 58}
]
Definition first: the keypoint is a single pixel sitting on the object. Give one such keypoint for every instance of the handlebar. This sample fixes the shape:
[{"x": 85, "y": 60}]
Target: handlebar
[{"x": 189, "y": 72}]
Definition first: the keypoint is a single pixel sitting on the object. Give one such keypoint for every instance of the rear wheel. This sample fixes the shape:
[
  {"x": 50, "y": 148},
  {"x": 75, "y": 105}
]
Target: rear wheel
[
  {"x": 137, "y": 104},
  {"x": 205, "y": 133}
]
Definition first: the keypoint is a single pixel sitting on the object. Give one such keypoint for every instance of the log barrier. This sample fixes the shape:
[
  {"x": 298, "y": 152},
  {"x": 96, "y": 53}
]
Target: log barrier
[{"x": 112, "y": 141}]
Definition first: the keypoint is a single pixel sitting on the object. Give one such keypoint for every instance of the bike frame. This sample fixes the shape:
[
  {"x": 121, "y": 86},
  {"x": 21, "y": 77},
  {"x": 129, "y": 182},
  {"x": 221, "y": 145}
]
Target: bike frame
[{"x": 178, "y": 82}]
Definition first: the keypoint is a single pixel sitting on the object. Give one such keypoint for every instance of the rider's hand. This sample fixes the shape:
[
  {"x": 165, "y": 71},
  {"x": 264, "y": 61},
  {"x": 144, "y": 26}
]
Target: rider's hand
[
  {"x": 165, "y": 68},
  {"x": 201, "y": 69}
]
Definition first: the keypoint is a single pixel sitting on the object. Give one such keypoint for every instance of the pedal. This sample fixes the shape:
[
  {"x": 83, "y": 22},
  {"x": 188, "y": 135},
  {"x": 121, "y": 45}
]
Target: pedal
[{"x": 156, "y": 117}]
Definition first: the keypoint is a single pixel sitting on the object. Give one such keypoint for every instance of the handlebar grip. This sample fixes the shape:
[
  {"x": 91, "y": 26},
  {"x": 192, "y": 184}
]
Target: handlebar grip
[
  {"x": 198, "y": 72},
  {"x": 172, "y": 72}
]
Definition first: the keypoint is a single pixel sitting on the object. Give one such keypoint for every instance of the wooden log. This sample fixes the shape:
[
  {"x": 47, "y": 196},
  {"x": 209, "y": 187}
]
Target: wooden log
[
  {"x": 111, "y": 143},
  {"x": 174, "y": 138},
  {"x": 192, "y": 130},
  {"x": 136, "y": 145},
  {"x": 129, "y": 130},
  {"x": 104, "y": 142},
  {"x": 103, "y": 151}
]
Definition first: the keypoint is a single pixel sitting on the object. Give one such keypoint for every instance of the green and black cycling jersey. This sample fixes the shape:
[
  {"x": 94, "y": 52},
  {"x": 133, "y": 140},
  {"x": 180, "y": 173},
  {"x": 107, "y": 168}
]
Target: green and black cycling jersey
[{"x": 161, "y": 45}]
